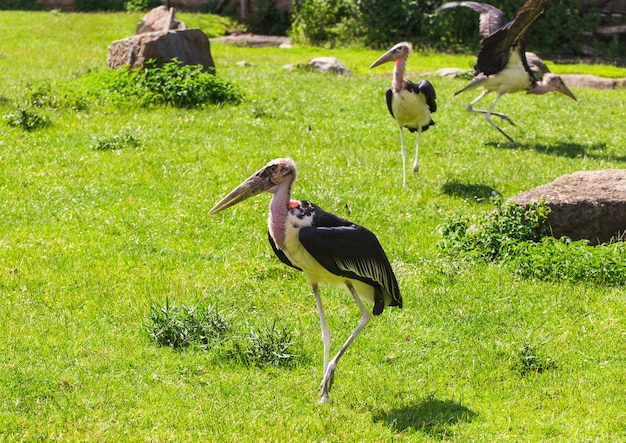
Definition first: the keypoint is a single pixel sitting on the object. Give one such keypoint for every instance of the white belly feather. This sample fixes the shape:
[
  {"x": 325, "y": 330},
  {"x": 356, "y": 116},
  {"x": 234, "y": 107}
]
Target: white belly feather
[
  {"x": 513, "y": 78},
  {"x": 410, "y": 109}
]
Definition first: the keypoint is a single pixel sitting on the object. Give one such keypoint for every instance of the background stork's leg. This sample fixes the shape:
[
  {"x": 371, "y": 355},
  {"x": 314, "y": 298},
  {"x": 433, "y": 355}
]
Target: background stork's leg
[
  {"x": 325, "y": 328},
  {"x": 329, "y": 376},
  {"x": 403, "y": 158},
  {"x": 488, "y": 118},
  {"x": 416, "y": 166},
  {"x": 470, "y": 108}
]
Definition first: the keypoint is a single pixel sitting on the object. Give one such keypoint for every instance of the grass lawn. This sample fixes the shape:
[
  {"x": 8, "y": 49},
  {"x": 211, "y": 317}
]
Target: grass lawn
[{"x": 92, "y": 239}]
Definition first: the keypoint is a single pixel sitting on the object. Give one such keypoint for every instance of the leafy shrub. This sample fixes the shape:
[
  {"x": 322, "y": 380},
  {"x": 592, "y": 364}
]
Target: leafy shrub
[
  {"x": 562, "y": 259},
  {"x": 125, "y": 138},
  {"x": 381, "y": 23},
  {"x": 265, "y": 346},
  {"x": 181, "y": 327},
  {"x": 22, "y": 5},
  {"x": 98, "y": 5},
  {"x": 266, "y": 19},
  {"x": 520, "y": 239},
  {"x": 531, "y": 361},
  {"x": 206, "y": 328},
  {"x": 172, "y": 83},
  {"x": 493, "y": 236},
  {"x": 386, "y": 22},
  {"x": 317, "y": 21},
  {"x": 26, "y": 118},
  {"x": 141, "y": 5}
]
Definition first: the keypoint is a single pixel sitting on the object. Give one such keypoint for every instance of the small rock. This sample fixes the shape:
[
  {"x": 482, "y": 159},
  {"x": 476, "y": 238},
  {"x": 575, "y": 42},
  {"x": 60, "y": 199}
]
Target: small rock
[{"x": 329, "y": 64}]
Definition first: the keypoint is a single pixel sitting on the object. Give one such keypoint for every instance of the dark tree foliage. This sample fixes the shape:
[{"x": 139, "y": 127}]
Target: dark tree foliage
[
  {"x": 22, "y": 5},
  {"x": 99, "y": 5}
]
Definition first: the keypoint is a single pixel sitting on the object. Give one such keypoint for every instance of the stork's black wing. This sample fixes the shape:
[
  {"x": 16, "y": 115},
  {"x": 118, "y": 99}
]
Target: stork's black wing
[
  {"x": 496, "y": 48},
  {"x": 353, "y": 252},
  {"x": 426, "y": 88},
  {"x": 491, "y": 18},
  {"x": 389, "y": 97}
]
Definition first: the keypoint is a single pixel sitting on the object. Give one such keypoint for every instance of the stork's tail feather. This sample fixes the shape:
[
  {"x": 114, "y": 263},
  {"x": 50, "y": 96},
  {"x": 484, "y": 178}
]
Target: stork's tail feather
[{"x": 473, "y": 84}]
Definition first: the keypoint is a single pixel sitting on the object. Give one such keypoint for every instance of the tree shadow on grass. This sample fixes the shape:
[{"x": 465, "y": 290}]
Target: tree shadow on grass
[
  {"x": 477, "y": 192},
  {"x": 431, "y": 416},
  {"x": 564, "y": 149}
]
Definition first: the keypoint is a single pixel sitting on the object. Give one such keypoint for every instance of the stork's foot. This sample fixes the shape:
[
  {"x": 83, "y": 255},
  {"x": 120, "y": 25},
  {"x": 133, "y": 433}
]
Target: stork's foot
[
  {"x": 327, "y": 384},
  {"x": 416, "y": 168},
  {"x": 504, "y": 117}
]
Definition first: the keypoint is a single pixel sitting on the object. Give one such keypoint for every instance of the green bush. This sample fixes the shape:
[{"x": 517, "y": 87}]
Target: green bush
[
  {"x": 174, "y": 84},
  {"x": 318, "y": 21},
  {"x": 265, "y": 346},
  {"x": 495, "y": 234},
  {"x": 521, "y": 240},
  {"x": 555, "y": 259},
  {"x": 99, "y": 5},
  {"x": 266, "y": 19},
  {"x": 22, "y": 5},
  {"x": 26, "y": 118},
  {"x": 381, "y": 23},
  {"x": 180, "y": 327},
  {"x": 125, "y": 138},
  {"x": 141, "y": 5}
]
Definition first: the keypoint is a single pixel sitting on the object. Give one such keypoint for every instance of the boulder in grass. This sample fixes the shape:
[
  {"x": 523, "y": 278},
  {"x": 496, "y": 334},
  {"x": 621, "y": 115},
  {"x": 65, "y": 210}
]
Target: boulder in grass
[
  {"x": 587, "y": 205},
  {"x": 188, "y": 46},
  {"x": 328, "y": 64},
  {"x": 159, "y": 19}
]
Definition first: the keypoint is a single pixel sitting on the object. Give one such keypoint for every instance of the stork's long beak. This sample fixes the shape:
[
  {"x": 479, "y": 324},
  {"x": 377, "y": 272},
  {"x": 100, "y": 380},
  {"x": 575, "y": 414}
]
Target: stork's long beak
[
  {"x": 386, "y": 57},
  {"x": 256, "y": 184},
  {"x": 563, "y": 89}
]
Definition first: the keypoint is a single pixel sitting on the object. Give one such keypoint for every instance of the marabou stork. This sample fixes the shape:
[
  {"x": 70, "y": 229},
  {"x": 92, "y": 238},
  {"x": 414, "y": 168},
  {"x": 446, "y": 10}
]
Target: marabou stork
[
  {"x": 325, "y": 247},
  {"x": 410, "y": 104},
  {"x": 503, "y": 65}
]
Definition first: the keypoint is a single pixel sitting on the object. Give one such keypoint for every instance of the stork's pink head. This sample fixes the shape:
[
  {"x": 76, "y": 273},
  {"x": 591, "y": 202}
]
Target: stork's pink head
[
  {"x": 399, "y": 51},
  {"x": 277, "y": 173}
]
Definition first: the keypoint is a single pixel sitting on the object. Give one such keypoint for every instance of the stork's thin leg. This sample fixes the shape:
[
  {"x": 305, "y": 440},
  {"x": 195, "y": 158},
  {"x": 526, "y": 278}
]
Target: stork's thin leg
[
  {"x": 416, "y": 167},
  {"x": 470, "y": 108},
  {"x": 488, "y": 118},
  {"x": 325, "y": 328},
  {"x": 403, "y": 158},
  {"x": 329, "y": 376}
]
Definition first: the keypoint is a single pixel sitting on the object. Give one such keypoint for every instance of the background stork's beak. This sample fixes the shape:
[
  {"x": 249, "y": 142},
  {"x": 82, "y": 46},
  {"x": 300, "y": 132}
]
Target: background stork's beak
[
  {"x": 254, "y": 185},
  {"x": 563, "y": 89},
  {"x": 386, "y": 57}
]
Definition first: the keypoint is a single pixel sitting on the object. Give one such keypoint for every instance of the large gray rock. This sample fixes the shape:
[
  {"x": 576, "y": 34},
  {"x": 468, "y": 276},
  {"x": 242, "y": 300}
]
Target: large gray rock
[
  {"x": 189, "y": 46},
  {"x": 585, "y": 205},
  {"x": 158, "y": 19}
]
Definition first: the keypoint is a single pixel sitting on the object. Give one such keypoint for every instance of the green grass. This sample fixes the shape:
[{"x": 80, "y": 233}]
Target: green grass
[{"x": 92, "y": 240}]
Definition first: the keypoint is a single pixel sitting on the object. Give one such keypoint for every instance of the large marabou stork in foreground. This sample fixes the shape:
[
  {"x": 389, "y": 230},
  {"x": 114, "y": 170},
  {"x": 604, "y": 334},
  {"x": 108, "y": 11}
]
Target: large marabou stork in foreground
[
  {"x": 409, "y": 103},
  {"x": 503, "y": 64},
  {"x": 325, "y": 247}
]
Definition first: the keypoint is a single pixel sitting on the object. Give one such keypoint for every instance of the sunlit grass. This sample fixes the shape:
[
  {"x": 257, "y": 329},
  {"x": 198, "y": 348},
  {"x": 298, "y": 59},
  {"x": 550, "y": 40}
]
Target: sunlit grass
[{"x": 92, "y": 239}]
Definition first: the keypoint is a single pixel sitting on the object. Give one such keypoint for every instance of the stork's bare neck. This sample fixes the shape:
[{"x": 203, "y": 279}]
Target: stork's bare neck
[
  {"x": 397, "y": 82},
  {"x": 279, "y": 210}
]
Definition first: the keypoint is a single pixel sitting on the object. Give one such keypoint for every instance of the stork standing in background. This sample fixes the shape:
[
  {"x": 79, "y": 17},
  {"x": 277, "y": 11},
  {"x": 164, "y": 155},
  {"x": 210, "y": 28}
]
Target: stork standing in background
[
  {"x": 502, "y": 65},
  {"x": 409, "y": 103},
  {"x": 325, "y": 247}
]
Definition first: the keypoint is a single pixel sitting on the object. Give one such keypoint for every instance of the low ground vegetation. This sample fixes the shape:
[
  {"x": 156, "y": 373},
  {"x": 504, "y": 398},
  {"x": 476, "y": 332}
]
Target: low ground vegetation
[{"x": 129, "y": 314}]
